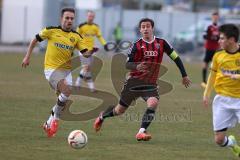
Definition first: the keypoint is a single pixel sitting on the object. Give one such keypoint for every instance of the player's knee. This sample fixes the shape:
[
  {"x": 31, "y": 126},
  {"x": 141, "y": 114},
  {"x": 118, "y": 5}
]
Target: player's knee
[
  {"x": 119, "y": 110},
  {"x": 64, "y": 88},
  {"x": 152, "y": 102},
  {"x": 88, "y": 69}
]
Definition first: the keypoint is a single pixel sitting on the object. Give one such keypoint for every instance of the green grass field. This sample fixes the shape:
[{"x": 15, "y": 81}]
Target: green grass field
[{"x": 181, "y": 131}]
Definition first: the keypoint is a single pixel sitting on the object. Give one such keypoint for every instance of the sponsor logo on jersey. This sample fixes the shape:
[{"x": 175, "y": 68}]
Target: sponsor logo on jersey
[
  {"x": 226, "y": 71},
  {"x": 150, "y": 53},
  {"x": 63, "y": 46}
]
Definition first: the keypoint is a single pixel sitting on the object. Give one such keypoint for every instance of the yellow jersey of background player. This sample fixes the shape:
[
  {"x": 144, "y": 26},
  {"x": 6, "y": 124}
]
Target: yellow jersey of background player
[{"x": 89, "y": 30}]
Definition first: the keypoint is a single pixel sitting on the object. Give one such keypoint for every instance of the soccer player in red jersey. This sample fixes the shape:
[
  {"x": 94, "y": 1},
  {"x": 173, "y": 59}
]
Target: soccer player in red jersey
[
  {"x": 144, "y": 59},
  {"x": 211, "y": 37}
]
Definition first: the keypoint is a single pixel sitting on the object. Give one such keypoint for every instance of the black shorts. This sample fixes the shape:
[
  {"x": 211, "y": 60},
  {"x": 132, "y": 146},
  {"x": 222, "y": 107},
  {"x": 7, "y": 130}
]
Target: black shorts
[
  {"x": 135, "y": 88},
  {"x": 209, "y": 55}
]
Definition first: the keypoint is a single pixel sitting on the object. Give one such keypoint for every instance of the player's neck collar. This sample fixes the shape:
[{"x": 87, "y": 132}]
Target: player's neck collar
[{"x": 148, "y": 41}]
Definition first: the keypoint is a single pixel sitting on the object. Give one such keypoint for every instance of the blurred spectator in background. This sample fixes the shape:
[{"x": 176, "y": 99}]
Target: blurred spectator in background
[
  {"x": 211, "y": 37},
  {"x": 118, "y": 34}
]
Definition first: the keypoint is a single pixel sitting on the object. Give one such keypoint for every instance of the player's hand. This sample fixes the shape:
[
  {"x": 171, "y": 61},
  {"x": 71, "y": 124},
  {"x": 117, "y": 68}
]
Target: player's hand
[
  {"x": 90, "y": 53},
  {"x": 142, "y": 66},
  {"x": 205, "y": 101},
  {"x": 186, "y": 81},
  {"x": 25, "y": 62}
]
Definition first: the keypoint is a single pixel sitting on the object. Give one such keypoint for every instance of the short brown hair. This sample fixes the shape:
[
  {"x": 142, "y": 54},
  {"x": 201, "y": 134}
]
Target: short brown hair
[
  {"x": 146, "y": 20},
  {"x": 68, "y": 9}
]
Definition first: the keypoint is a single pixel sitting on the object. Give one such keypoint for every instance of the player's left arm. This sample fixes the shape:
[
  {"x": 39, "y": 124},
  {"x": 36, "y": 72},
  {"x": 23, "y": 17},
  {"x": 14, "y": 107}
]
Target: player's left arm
[
  {"x": 101, "y": 39},
  {"x": 82, "y": 47},
  {"x": 175, "y": 57}
]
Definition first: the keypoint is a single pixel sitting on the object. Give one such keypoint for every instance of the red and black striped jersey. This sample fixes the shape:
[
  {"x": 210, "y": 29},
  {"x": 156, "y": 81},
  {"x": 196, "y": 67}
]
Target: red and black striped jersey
[
  {"x": 152, "y": 54},
  {"x": 211, "y": 37}
]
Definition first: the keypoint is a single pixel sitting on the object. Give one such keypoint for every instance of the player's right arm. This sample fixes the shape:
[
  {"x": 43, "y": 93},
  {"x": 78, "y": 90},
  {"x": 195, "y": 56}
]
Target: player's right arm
[
  {"x": 210, "y": 82},
  {"x": 131, "y": 64},
  {"x": 26, "y": 59},
  {"x": 44, "y": 34},
  {"x": 209, "y": 87}
]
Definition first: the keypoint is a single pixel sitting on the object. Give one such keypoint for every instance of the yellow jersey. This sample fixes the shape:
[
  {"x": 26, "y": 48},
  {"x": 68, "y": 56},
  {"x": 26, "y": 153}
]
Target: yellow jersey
[
  {"x": 60, "y": 46},
  {"x": 226, "y": 63},
  {"x": 89, "y": 31}
]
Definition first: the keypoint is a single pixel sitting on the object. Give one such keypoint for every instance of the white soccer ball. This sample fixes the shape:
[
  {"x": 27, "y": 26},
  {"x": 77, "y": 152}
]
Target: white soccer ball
[{"x": 77, "y": 139}]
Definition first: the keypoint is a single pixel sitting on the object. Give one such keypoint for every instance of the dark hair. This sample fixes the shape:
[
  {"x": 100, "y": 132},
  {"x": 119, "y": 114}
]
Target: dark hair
[
  {"x": 67, "y": 10},
  {"x": 146, "y": 20},
  {"x": 215, "y": 13},
  {"x": 230, "y": 30}
]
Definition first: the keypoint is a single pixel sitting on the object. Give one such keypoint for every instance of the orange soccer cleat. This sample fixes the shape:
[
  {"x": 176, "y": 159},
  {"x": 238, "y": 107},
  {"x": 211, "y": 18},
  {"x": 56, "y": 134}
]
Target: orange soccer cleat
[
  {"x": 143, "y": 136},
  {"x": 98, "y": 122},
  {"x": 52, "y": 129}
]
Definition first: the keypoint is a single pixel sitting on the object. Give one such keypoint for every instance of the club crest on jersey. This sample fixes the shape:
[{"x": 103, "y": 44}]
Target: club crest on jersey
[
  {"x": 72, "y": 39},
  {"x": 150, "y": 53},
  {"x": 237, "y": 62},
  {"x": 157, "y": 45}
]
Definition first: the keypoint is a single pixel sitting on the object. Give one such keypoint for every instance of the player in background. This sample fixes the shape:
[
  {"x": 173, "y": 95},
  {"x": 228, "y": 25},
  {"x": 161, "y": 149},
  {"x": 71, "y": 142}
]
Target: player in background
[
  {"x": 144, "y": 60},
  {"x": 89, "y": 30},
  {"x": 224, "y": 78},
  {"x": 62, "y": 40},
  {"x": 211, "y": 37}
]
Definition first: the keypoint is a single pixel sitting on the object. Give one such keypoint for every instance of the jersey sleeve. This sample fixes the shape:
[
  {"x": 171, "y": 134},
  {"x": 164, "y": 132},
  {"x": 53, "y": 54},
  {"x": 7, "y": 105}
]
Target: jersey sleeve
[
  {"x": 100, "y": 37},
  {"x": 168, "y": 49},
  {"x": 131, "y": 52},
  {"x": 214, "y": 64},
  {"x": 78, "y": 29},
  {"x": 81, "y": 45},
  {"x": 43, "y": 34}
]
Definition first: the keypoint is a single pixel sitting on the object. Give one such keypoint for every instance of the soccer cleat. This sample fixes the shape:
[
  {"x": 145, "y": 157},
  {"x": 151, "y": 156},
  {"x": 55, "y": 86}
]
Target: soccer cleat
[
  {"x": 143, "y": 136},
  {"x": 98, "y": 122},
  {"x": 47, "y": 129},
  {"x": 53, "y": 127},
  {"x": 203, "y": 84},
  {"x": 235, "y": 148}
]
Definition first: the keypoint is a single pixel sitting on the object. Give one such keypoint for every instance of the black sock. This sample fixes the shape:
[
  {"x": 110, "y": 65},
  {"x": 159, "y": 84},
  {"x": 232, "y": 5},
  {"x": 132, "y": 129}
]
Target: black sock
[
  {"x": 204, "y": 74},
  {"x": 147, "y": 118},
  {"x": 109, "y": 112}
]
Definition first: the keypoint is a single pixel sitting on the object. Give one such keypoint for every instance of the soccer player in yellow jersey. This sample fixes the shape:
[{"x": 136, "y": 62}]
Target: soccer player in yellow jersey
[
  {"x": 62, "y": 41},
  {"x": 89, "y": 30},
  {"x": 224, "y": 78}
]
